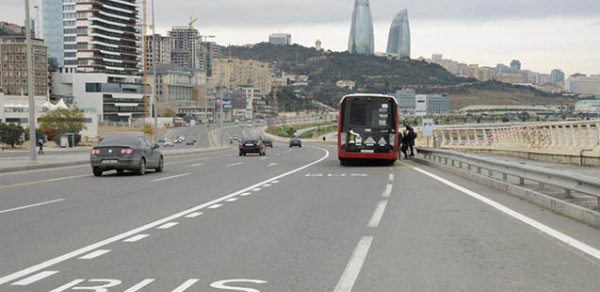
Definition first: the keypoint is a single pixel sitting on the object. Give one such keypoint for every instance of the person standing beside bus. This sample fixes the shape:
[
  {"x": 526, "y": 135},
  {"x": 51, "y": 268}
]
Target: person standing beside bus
[{"x": 412, "y": 136}]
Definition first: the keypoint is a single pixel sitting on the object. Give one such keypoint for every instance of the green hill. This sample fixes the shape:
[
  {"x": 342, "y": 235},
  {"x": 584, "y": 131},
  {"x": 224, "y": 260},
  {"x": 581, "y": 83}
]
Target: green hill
[{"x": 384, "y": 75}]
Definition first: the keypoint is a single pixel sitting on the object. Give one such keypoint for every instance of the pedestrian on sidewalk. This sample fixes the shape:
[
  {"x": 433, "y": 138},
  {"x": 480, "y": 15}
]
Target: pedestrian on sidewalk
[
  {"x": 41, "y": 145},
  {"x": 412, "y": 136},
  {"x": 404, "y": 143}
]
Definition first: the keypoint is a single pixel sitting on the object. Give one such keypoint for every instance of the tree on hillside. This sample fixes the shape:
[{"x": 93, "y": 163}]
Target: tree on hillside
[
  {"x": 11, "y": 134},
  {"x": 62, "y": 121}
]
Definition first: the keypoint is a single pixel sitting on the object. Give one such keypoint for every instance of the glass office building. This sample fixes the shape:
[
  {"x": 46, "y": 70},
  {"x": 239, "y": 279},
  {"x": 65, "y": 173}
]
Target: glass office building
[
  {"x": 52, "y": 29},
  {"x": 362, "y": 40},
  {"x": 399, "y": 37}
]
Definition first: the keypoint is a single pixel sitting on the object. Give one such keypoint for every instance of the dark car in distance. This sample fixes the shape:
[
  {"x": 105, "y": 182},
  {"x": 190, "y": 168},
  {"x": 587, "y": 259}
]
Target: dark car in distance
[
  {"x": 295, "y": 142},
  {"x": 268, "y": 142},
  {"x": 121, "y": 153},
  {"x": 252, "y": 145}
]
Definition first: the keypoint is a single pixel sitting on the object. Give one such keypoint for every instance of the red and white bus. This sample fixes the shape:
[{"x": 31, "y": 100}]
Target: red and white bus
[{"x": 368, "y": 128}]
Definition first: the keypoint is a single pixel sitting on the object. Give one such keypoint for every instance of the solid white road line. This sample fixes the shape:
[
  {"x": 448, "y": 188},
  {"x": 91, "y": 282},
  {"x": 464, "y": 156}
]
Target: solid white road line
[
  {"x": 391, "y": 177},
  {"x": 94, "y": 254},
  {"x": 172, "y": 177},
  {"x": 231, "y": 200},
  {"x": 234, "y": 164},
  {"x": 245, "y": 194},
  {"x": 127, "y": 234},
  {"x": 354, "y": 265},
  {"x": 590, "y": 250},
  {"x": 388, "y": 190},
  {"x": 216, "y": 206},
  {"x": 32, "y": 205},
  {"x": 194, "y": 215},
  {"x": 140, "y": 285},
  {"x": 35, "y": 278},
  {"x": 378, "y": 214},
  {"x": 187, "y": 284},
  {"x": 136, "y": 238},
  {"x": 167, "y": 225}
]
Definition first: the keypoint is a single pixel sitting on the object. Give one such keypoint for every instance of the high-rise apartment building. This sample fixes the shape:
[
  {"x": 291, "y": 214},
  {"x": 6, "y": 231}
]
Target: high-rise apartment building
[
  {"x": 13, "y": 66},
  {"x": 362, "y": 39},
  {"x": 49, "y": 27},
  {"x": 233, "y": 73},
  {"x": 210, "y": 52},
  {"x": 585, "y": 85},
  {"x": 101, "y": 36},
  {"x": 399, "y": 36},
  {"x": 186, "y": 50},
  {"x": 163, "y": 49},
  {"x": 515, "y": 65},
  {"x": 557, "y": 77},
  {"x": 280, "y": 39}
]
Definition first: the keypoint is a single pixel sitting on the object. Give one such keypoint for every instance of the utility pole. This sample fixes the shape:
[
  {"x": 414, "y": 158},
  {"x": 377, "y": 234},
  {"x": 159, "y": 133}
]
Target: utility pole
[
  {"x": 154, "y": 56},
  {"x": 30, "y": 74}
]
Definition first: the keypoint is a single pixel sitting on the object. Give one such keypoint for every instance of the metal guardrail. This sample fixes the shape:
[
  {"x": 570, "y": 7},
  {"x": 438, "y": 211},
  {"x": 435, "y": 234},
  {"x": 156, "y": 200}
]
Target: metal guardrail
[{"x": 545, "y": 177}]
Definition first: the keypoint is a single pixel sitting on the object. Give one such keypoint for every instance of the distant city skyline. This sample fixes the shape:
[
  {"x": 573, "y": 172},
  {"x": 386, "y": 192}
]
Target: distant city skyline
[{"x": 556, "y": 34}]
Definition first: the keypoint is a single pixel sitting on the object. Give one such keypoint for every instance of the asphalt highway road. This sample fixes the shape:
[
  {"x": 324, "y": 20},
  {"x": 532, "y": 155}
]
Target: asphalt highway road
[{"x": 294, "y": 220}]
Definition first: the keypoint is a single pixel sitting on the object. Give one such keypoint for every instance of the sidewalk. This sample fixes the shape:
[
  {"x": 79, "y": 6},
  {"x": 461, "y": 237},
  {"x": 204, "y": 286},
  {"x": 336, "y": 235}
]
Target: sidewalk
[{"x": 9, "y": 164}]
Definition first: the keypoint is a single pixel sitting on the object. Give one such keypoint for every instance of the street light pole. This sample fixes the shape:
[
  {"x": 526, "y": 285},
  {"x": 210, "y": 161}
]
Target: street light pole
[
  {"x": 30, "y": 85},
  {"x": 154, "y": 56}
]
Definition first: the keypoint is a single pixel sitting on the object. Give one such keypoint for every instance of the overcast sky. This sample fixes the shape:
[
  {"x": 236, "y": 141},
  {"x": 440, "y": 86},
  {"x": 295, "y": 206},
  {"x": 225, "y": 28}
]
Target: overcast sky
[{"x": 543, "y": 34}]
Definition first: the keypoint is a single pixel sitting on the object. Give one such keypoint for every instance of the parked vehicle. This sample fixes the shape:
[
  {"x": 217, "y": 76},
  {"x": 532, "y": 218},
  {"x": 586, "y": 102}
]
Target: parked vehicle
[{"x": 121, "y": 153}]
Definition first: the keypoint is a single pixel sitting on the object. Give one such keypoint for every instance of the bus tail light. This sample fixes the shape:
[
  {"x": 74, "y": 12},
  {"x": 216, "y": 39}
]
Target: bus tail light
[
  {"x": 343, "y": 138},
  {"x": 392, "y": 139}
]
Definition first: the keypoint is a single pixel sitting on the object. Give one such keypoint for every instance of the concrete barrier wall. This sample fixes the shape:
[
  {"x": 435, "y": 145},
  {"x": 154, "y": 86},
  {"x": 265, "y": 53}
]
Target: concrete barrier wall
[{"x": 566, "y": 142}]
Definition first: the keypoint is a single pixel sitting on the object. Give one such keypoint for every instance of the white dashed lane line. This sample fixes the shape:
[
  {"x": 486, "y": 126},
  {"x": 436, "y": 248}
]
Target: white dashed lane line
[
  {"x": 388, "y": 190},
  {"x": 245, "y": 194},
  {"x": 34, "y": 278},
  {"x": 378, "y": 214},
  {"x": 267, "y": 185},
  {"x": 215, "y": 206},
  {"x": 194, "y": 215},
  {"x": 354, "y": 265},
  {"x": 234, "y": 164},
  {"x": 167, "y": 225},
  {"x": 271, "y": 164},
  {"x": 391, "y": 177},
  {"x": 195, "y": 165},
  {"x": 256, "y": 190},
  {"x": 136, "y": 238},
  {"x": 172, "y": 177},
  {"x": 32, "y": 206},
  {"x": 94, "y": 254},
  {"x": 231, "y": 200}
]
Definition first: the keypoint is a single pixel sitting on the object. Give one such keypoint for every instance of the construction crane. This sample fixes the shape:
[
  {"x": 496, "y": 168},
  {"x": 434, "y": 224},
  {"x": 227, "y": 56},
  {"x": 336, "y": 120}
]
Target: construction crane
[{"x": 192, "y": 21}]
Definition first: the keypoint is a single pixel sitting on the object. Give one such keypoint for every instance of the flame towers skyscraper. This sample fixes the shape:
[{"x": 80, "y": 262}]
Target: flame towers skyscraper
[
  {"x": 361, "y": 40},
  {"x": 399, "y": 37}
]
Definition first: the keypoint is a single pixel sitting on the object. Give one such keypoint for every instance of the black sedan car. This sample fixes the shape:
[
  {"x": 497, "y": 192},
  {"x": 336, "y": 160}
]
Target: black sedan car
[
  {"x": 121, "y": 153},
  {"x": 295, "y": 142},
  {"x": 268, "y": 142},
  {"x": 252, "y": 145}
]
